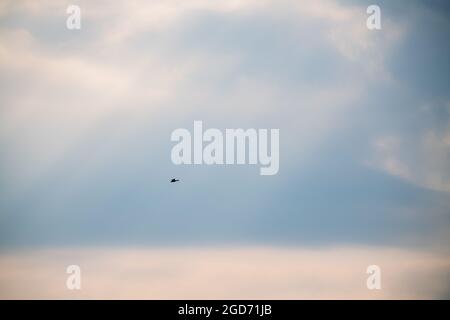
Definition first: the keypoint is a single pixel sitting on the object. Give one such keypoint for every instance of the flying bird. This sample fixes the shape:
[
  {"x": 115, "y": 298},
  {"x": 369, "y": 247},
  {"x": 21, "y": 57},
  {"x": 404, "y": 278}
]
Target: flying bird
[{"x": 174, "y": 180}]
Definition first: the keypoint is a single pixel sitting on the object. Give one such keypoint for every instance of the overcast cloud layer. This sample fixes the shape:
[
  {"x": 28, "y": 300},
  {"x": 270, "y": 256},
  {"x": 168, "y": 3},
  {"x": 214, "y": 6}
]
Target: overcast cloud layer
[{"x": 86, "y": 117}]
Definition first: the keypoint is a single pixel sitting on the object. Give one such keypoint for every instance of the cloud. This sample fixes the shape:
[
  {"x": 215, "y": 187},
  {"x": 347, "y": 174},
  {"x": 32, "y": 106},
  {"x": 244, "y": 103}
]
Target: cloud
[
  {"x": 423, "y": 158},
  {"x": 62, "y": 85},
  {"x": 86, "y": 117}
]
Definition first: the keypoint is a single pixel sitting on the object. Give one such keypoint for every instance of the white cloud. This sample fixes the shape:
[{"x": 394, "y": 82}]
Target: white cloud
[
  {"x": 57, "y": 94},
  {"x": 424, "y": 161},
  {"x": 61, "y": 94}
]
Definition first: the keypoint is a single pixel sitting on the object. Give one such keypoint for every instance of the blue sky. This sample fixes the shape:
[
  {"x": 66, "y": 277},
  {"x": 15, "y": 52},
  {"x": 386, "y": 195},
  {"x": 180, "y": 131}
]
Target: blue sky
[{"x": 86, "y": 118}]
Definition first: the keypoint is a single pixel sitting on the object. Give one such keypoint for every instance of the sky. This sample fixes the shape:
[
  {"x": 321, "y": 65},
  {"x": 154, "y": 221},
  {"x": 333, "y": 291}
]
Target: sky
[{"x": 364, "y": 118}]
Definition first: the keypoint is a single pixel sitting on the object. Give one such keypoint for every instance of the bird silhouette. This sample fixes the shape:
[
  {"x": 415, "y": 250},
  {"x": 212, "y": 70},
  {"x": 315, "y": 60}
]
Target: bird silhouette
[{"x": 174, "y": 180}]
